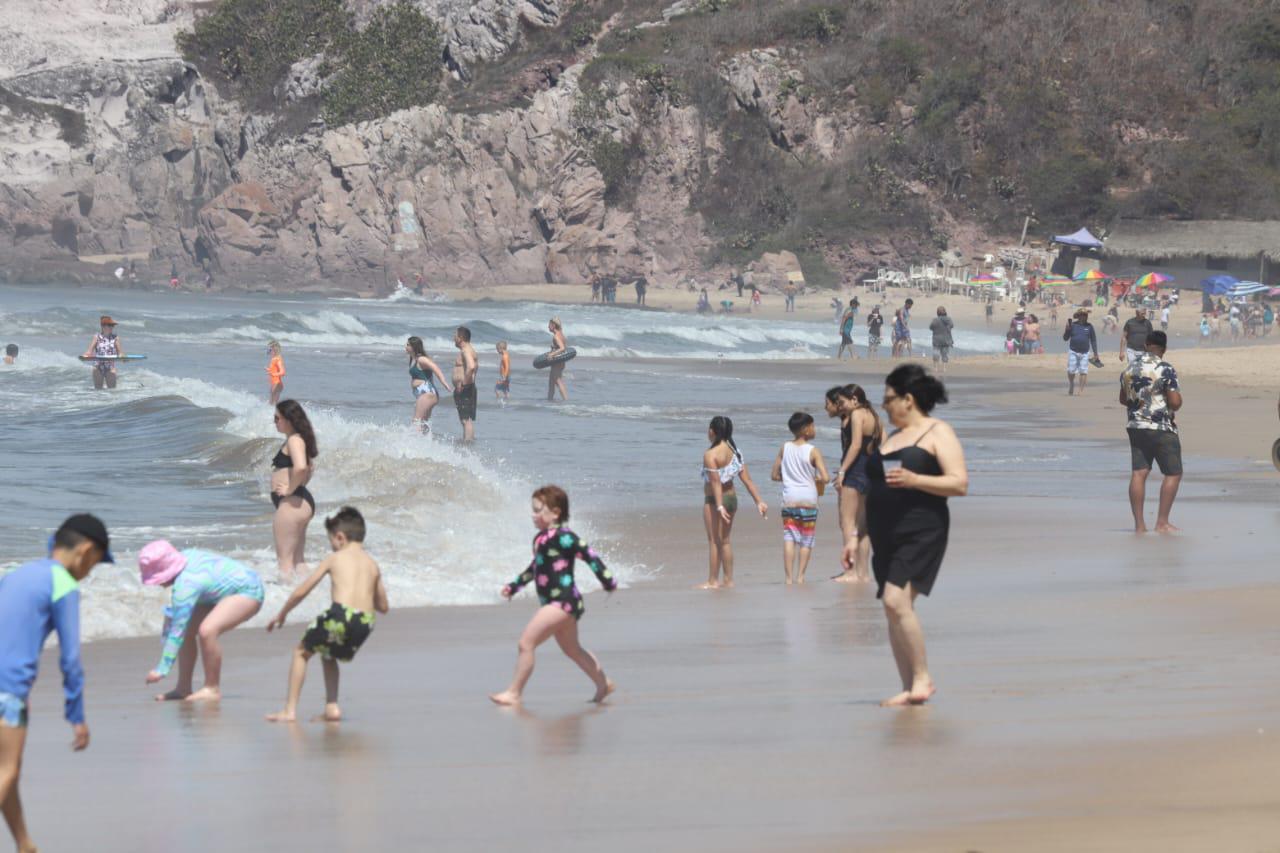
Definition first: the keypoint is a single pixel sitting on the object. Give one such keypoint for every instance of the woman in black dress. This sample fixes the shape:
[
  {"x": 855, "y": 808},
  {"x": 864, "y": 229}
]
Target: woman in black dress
[{"x": 913, "y": 472}]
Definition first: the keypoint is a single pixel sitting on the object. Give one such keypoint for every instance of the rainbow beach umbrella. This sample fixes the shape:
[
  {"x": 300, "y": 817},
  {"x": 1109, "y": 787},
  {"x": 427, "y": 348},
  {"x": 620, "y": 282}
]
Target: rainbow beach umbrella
[
  {"x": 1152, "y": 279},
  {"x": 1055, "y": 281},
  {"x": 1092, "y": 275},
  {"x": 986, "y": 278}
]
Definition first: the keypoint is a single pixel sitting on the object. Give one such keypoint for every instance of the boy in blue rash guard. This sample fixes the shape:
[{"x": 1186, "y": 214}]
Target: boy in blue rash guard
[{"x": 35, "y": 600}]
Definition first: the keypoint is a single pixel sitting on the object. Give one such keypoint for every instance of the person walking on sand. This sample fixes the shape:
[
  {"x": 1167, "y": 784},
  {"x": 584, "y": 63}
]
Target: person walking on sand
[
  {"x": 107, "y": 349},
  {"x": 211, "y": 595},
  {"x": 721, "y": 463},
  {"x": 941, "y": 327},
  {"x": 37, "y": 599},
  {"x": 1081, "y": 338},
  {"x": 846, "y": 333},
  {"x": 859, "y": 434},
  {"x": 555, "y": 377},
  {"x": 912, "y": 474},
  {"x": 356, "y": 591},
  {"x": 1133, "y": 337},
  {"x": 275, "y": 371},
  {"x": 423, "y": 373},
  {"x": 465, "y": 395},
  {"x": 1150, "y": 393},
  {"x": 555, "y": 550},
  {"x": 291, "y": 470},
  {"x": 799, "y": 467}
]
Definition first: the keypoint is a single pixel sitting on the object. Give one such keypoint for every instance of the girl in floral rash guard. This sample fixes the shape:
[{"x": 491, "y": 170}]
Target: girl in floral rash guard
[{"x": 555, "y": 549}]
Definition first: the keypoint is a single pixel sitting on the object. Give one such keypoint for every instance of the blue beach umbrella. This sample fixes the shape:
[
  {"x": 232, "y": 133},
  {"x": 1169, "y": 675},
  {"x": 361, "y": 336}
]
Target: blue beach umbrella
[{"x": 1219, "y": 285}]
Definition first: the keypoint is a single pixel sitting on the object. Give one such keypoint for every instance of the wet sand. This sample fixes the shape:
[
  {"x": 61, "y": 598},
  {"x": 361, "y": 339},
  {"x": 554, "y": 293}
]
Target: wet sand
[{"x": 1097, "y": 691}]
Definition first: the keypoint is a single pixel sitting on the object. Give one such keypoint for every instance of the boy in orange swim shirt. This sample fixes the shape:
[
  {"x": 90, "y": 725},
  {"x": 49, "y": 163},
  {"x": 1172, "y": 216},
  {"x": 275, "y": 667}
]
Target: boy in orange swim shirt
[
  {"x": 275, "y": 371},
  {"x": 502, "y": 390}
]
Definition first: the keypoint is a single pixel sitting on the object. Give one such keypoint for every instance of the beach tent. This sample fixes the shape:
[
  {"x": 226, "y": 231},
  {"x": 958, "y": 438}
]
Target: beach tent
[
  {"x": 1081, "y": 239},
  {"x": 1218, "y": 285}
]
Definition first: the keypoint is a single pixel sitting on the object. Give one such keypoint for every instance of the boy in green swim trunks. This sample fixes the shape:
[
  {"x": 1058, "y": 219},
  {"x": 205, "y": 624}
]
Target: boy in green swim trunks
[{"x": 336, "y": 635}]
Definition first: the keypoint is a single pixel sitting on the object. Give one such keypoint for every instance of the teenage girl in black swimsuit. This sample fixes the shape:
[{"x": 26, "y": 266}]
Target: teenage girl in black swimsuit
[
  {"x": 859, "y": 433},
  {"x": 291, "y": 470},
  {"x": 912, "y": 474}
]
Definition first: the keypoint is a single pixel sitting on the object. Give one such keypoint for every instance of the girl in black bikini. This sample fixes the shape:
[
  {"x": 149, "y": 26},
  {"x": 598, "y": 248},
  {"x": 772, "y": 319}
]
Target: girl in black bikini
[
  {"x": 291, "y": 470},
  {"x": 859, "y": 433},
  {"x": 912, "y": 474}
]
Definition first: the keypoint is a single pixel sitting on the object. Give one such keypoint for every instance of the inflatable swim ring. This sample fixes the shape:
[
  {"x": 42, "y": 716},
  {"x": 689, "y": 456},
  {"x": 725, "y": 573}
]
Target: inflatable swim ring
[{"x": 547, "y": 359}]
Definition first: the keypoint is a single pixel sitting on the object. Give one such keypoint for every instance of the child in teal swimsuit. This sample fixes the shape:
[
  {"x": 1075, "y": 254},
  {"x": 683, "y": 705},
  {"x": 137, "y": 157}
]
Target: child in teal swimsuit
[
  {"x": 555, "y": 549},
  {"x": 211, "y": 595}
]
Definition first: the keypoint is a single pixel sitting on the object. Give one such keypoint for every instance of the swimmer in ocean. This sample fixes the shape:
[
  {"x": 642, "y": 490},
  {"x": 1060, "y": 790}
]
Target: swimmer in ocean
[{"x": 107, "y": 350}]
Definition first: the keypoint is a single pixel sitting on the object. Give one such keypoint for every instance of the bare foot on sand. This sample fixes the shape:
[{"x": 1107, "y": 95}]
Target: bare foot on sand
[
  {"x": 1166, "y": 528},
  {"x": 726, "y": 584},
  {"x": 847, "y": 577},
  {"x": 173, "y": 696},
  {"x": 920, "y": 693},
  {"x": 332, "y": 714},
  {"x": 899, "y": 700},
  {"x": 602, "y": 693},
  {"x": 205, "y": 694},
  {"x": 282, "y": 717},
  {"x": 1139, "y": 528},
  {"x": 708, "y": 585},
  {"x": 506, "y": 697}
]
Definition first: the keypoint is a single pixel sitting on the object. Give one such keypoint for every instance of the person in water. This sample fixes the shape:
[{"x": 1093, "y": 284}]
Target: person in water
[
  {"x": 275, "y": 371},
  {"x": 555, "y": 378},
  {"x": 502, "y": 388},
  {"x": 859, "y": 434},
  {"x": 37, "y": 599},
  {"x": 799, "y": 467},
  {"x": 721, "y": 463},
  {"x": 106, "y": 349},
  {"x": 423, "y": 373},
  {"x": 465, "y": 394},
  {"x": 291, "y": 470},
  {"x": 913, "y": 472},
  {"x": 555, "y": 549},
  {"x": 211, "y": 595},
  {"x": 10, "y": 353},
  {"x": 356, "y": 590}
]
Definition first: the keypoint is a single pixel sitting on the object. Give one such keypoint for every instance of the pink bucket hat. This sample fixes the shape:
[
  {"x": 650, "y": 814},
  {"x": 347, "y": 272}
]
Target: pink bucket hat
[{"x": 160, "y": 562}]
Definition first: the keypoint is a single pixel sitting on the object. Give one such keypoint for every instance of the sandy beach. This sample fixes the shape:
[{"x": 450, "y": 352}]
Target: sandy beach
[{"x": 1097, "y": 690}]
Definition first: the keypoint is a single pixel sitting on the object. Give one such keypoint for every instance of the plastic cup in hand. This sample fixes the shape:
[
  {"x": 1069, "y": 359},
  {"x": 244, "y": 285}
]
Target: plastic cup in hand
[{"x": 891, "y": 464}]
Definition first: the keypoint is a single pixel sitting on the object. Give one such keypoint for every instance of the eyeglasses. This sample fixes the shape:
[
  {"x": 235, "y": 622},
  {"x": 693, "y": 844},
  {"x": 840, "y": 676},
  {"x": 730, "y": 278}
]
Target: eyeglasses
[{"x": 889, "y": 398}]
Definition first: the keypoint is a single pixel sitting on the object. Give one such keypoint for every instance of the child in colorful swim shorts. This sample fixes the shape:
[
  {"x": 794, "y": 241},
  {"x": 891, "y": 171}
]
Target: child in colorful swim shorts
[
  {"x": 355, "y": 585},
  {"x": 275, "y": 371},
  {"x": 35, "y": 600},
  {"x": 502, "y": 388},
  {"x": 211, "y": 595},
  {"x": 799, "y": 467},
  {"x": 555, "y": 549}
]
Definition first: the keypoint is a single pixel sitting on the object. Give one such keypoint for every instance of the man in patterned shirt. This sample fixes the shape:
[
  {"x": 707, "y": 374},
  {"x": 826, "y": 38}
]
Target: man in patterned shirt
[{"x": 1149, "y": 391}]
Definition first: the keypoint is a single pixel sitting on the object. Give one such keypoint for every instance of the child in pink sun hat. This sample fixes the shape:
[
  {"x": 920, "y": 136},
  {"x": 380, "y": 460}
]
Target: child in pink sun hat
[{"x": 211, "y": 595}]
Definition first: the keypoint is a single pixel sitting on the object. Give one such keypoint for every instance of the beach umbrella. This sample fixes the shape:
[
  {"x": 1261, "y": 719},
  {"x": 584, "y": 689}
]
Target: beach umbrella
[
  {"x": 1248, "y": 288},
  {"x": 1275, "y": 291},
  {"x": 1092, "y": 275},
  {"x": 985, "y": 278},
  {"x": 1216, "y": 285},
  {"x": 1153, "y": 279},
  {"x": 1055, "y": 281}
]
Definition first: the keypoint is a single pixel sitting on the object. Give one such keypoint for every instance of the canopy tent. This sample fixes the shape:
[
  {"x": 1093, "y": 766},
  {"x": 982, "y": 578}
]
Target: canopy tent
[
  {"x": 1218, "y": 285},
  {"x": 1081, "y": 239}
]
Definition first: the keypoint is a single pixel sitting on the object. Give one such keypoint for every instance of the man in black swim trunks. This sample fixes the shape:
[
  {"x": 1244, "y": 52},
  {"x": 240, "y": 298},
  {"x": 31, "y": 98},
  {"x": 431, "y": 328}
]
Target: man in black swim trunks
[
  {"x": 464, "y": 382},
  {"x": 1150, "y": 392}
]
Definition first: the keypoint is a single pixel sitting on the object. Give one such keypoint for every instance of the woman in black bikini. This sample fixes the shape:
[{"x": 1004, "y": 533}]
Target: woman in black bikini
[
  {"x": 912, "y": 474},
  {"x": 291, "y": 470},
  {"x": 859, "y": 433}
]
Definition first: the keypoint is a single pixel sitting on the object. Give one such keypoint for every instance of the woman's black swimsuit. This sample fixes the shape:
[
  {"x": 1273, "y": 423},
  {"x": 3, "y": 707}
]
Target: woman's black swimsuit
[
  {"x": 856, "y": 476},
  {"x": 908, "y": 527},
  {"x": 282, "y": 460}
]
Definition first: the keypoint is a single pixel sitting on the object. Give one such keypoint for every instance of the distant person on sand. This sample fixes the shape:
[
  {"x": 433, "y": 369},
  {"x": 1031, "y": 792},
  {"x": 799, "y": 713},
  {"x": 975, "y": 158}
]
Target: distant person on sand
[
  {"x": 423, "y": 373},
  {"x": 555, "y": 550},
  {"x": 941, "y": 327},
  {"x": 502, "y": 388},
  {"x": 846, "y": 333},
  {"x": 642, "y": 288},
  {"x": 875, "y": 323},
  {"x": 914, "y": 471},
  {"x": 36, "y": 599},
  {"x": 1133, "y": 337},
  {"x": 859, "y": 434},
  {"x": 799, "y": 467},
  {"x": 10, "y": 353},
  {"x": 211, "y": 594},
  {"x": 1081, "y": 338},
  {"x": 356, "y": 590},
  {"x": 291, "y": 470},
  {"x": 465, "y": 394},
  {"x": 555, "y": 376},
  {"x": 1149, "y": 391},
  {"x": 901, "y": 334},
  {"x": 721, "y": 463},
  {"x": 108, "y": 350},
  {"x": 275, "y": 371},
  {"x": 1031, "y": 336},
  {"x": 989, "y": 311}
]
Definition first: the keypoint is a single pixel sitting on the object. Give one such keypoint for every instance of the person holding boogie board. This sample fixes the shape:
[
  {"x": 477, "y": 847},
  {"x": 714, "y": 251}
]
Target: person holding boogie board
[
  {"x": 556, "y": 358},
  {"x": 105, "y": 349}
]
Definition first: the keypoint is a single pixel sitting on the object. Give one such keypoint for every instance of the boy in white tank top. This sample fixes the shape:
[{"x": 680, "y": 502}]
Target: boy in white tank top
[{"x": 800, "y": 469}]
